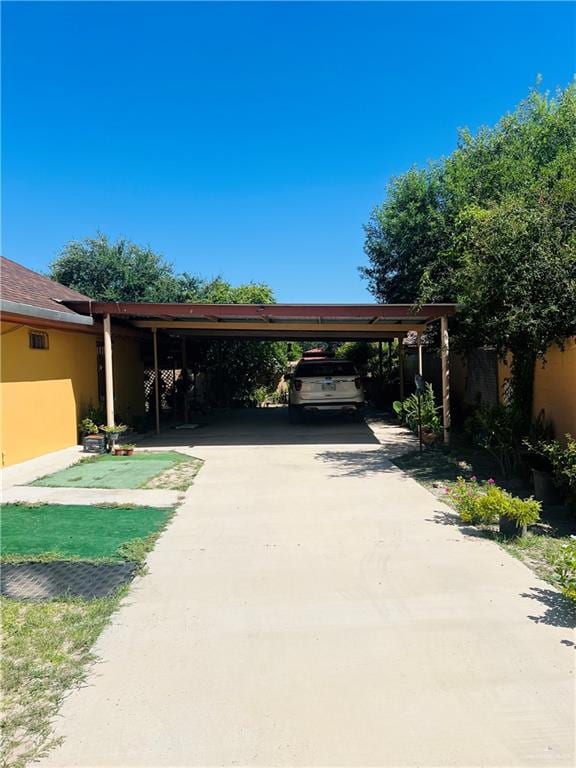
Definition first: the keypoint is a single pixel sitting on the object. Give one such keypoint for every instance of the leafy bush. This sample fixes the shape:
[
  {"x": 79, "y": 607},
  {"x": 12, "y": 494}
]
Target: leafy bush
[
  {"x": 496, "y": 428},
  {"x": 479, "y": 504},
  {"x": 566, "y": 569},
  {"x": 522, "y": 511},
  {"x": 260, "y": 394},
  {"x": 407, "y": 411},
  {"x": 88, "y": 427},
  {"x": 95, "y": 413},
  {"x": 492, "y": 505},
  {"x": 563, "y": 461},
  {"x": 464, "y": 495},
  {"x": 114, "y": 429}
]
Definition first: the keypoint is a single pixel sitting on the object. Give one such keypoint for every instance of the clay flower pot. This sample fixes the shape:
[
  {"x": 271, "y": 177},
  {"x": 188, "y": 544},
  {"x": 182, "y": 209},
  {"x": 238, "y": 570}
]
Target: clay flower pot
[{"x": 428, "y": 437}]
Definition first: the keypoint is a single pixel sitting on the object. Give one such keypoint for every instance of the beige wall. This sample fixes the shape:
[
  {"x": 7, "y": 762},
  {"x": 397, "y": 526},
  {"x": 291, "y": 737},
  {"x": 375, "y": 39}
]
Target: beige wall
[{"x": 554, "y": 387}]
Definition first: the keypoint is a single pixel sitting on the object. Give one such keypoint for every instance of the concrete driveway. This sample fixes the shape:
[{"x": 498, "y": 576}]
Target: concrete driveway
[{"x": 312, "y": 606}]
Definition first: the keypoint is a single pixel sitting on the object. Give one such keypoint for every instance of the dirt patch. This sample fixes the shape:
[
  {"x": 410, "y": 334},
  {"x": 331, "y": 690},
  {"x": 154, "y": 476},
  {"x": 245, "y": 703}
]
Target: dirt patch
[{"x": 178, "y": 478}]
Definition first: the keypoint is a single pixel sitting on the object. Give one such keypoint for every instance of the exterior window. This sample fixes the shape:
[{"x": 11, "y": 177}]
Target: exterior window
[{"x": 37, "y": 340}]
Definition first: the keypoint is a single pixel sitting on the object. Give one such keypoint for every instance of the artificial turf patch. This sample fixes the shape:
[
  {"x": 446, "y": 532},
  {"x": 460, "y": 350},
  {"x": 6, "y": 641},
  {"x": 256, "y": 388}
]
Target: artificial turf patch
[
  {"x": 114, "y": 471},
  {"x": 71, "y": 530}
]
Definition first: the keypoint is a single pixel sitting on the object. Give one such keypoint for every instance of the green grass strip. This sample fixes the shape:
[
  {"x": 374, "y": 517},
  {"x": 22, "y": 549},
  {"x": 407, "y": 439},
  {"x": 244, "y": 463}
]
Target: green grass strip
[
  {"x": 113, "y": 471},
  {"x": 72, "y": 530}
]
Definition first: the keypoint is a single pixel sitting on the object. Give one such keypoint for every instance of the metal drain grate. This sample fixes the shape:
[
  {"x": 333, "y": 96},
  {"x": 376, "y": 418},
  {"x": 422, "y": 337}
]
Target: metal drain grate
[{"x": 45, "y": 581}]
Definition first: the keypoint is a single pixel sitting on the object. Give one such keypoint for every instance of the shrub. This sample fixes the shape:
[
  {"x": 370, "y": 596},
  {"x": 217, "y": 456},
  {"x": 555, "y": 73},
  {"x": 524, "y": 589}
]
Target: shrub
[
  {"x": 493, "y": 505},
  {"x": 464, "y": 496},
  {"x": 485, "y": 505},
  {"x": 88, "y": 427},
  {"x": 496, "y": 429},
  {"x": 563, "y": 461},
  {"x": 114, "y": 429},
  {"x": 566, "y": 569},
  {"x": 97, "y": 414},
  {"x": 259, "y": 395},
  {"x": 522, "y": 511},
  {"x": 407, "y": 411}
]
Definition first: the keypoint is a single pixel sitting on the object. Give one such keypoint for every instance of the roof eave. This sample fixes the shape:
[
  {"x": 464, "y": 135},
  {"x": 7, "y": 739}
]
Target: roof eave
[{"x": 41, "y": 313}]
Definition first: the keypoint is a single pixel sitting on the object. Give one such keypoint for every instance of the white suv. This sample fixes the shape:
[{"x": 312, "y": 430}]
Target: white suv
[{"x": 325, "y": 385}]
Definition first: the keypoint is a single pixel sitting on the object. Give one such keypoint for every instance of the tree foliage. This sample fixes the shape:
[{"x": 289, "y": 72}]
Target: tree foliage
[
  {"x": 124, "y": 271},
  {"x": 404, "y": 235},
  {"x": 120, "y": 271},
  {"x": 492, "y": 227}
]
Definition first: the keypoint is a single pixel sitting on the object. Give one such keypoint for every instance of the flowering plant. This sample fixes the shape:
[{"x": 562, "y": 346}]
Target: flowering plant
[
  {"x": 463, "y": 495},
  {"x": 566, "y": 568},
  {"x": 485, "y": 504}
]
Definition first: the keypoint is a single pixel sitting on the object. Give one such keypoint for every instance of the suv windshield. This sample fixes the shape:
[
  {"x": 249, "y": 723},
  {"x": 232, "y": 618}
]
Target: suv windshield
[{"x": 325, "y": 368}]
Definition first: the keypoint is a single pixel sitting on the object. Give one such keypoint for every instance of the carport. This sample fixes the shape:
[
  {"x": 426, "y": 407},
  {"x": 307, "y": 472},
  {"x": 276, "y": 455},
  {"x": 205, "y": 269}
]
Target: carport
[{"x": 272, "y": 322}]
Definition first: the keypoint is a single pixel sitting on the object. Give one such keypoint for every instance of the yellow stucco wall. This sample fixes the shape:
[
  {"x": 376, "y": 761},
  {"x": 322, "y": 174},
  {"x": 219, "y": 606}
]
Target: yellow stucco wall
[
  {"x": 44, "y": 393},
  {"x": 129, "y": 402},
  {"x": 555, "y": 388}
]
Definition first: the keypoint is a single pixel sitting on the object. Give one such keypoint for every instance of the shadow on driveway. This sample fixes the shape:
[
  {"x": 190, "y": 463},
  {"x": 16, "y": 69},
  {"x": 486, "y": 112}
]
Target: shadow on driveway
[
  {"x": 560, "y": 611},
  {"x": 266, "y": 426},
  {"x": 358, "y": 463}
]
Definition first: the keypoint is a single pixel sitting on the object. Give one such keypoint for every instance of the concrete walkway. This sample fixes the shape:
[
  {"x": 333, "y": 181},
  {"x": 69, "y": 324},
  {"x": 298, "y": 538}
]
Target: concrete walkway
[
  {"x": 310, "y": 605},
  {"x": 148, "y": 497}
]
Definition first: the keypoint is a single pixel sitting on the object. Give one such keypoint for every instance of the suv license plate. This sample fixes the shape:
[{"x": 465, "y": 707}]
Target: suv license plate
[{"x": 328, "y": 386}]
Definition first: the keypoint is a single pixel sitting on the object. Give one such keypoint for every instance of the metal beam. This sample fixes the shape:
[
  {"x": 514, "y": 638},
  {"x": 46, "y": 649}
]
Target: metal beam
[
  {"x": 445, "y": 352},
  {"x": 108, "y": 372},
  {"x": 309, "y": 312},
  {"x": 238, "y": 327},
  {"x": 156, "y": 382},
  {"x": 401, "y": 365},
  {"x": 420, "y": 361}
]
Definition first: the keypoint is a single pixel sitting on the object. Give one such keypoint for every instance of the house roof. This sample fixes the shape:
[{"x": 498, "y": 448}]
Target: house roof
[{"x": 27, "y": 293}]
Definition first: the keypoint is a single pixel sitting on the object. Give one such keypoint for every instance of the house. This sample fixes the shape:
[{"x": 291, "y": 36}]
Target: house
[{"x": 52, "y": 365}]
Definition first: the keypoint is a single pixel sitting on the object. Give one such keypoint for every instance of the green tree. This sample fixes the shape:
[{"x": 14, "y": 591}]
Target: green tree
[
  {"x": 219, "y": 291},
  {"x": 124, "y": 271},
  {"x": 239, "y": 367},
  {"x": 120, "y": 271},
  {"x": 405, "y": 234},
  {"x": 497, "y": 236}
]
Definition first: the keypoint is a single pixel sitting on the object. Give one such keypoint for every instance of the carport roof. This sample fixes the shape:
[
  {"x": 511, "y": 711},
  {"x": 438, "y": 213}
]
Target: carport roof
[{"x": 273, "y": 320}]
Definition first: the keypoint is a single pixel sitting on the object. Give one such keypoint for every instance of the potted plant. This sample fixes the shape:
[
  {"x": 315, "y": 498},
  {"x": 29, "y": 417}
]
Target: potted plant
[
  {"x": 118, "y": 450},
  {"x": 92, "y": 441},
  {"x": 128, "y": 448},
  {"x": 425, "y": 412},
  {"x": 563, "y": 462},
  {"x": 544, "y": 459},
  {"x": 112, "y": 433},
  {"x": 88, "y": 427},
  {"x": 518, "y": 514}
]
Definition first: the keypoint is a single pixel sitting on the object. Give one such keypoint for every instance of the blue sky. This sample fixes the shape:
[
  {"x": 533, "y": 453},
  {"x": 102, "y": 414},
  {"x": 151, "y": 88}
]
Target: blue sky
[{"x": 249, "y": 140}]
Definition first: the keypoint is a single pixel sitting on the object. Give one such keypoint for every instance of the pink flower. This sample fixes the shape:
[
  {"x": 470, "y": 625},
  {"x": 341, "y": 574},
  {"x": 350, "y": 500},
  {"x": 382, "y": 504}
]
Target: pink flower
[
  {"x": 473, "y": 479},
  {"x": 446, "y": 490},
  {"x": 491, "y": 481}
]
